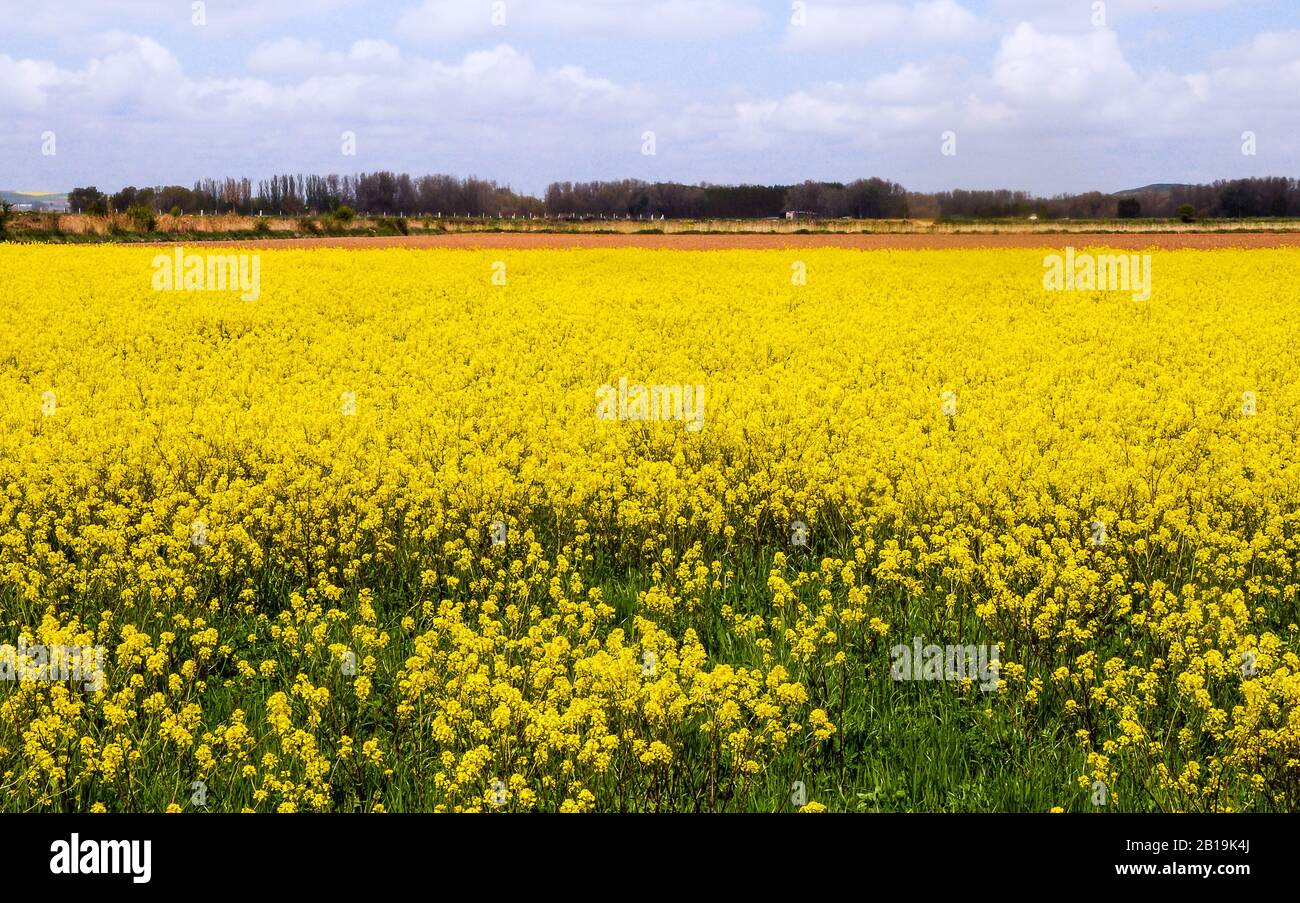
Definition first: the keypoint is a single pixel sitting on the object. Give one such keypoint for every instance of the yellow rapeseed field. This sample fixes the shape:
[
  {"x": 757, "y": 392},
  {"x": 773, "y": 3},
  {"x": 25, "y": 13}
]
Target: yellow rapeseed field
[{"x": 391, "y": 535}]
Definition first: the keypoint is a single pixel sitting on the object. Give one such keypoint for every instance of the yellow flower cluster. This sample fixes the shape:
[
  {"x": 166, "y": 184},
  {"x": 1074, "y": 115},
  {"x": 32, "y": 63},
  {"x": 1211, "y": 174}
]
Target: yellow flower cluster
[{"x": 365, "y": 543}]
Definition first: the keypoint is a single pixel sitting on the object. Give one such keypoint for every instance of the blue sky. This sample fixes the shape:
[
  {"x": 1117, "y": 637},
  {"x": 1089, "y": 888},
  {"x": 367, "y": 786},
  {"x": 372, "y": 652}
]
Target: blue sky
[{"x": 1043, "y": 95}]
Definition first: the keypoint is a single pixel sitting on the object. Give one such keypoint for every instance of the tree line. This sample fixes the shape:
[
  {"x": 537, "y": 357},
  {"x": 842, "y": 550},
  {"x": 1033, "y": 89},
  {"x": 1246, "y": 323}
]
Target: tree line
[
  {"x": 384, "y": 193},
  {"x": 1272, "y": 196},
  {"x": 398, "y": 194}
]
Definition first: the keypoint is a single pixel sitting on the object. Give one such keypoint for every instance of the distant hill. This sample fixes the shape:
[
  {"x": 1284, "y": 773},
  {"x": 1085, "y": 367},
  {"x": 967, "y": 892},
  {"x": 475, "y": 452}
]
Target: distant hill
[
  {"x": 1158, "y": 188},
  {"x": 36, "y": 200}
]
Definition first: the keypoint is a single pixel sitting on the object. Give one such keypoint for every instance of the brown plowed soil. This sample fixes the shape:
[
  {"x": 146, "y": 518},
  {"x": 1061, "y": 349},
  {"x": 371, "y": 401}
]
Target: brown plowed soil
[{"x": 872, "y": 242}]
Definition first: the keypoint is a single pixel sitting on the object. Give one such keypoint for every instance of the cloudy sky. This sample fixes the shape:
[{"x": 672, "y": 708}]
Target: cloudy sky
[{"x": 1043, "y": 95}]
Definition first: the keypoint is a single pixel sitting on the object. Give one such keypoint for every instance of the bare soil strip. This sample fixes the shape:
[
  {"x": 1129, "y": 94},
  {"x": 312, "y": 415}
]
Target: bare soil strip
[{"x": 863, "y": 242}]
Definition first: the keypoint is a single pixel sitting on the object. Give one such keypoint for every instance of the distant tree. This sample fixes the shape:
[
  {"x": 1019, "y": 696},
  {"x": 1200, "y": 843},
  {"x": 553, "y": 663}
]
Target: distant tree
[
  {"x": 142, "y": 218},
  {"x": 377, "y": 192},
  {"x": 1129, "y": 208},
  {"x": 676, "y": 201},
  {"x": 812, "y": 197},
  {"x": 997, "y": 204},
  {"x": 124, "y": 199},
  {"x": 175, "y": 197},
  {"x": 873, "y": 199},
  {"x": 1187, "y": 213},
  {"x": 743, "y": 201},
  {"x": 1235, "y": 200},
  {"x": 88, "y": 200}
]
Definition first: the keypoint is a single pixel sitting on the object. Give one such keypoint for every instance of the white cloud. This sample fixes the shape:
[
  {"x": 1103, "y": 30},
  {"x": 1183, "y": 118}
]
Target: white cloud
[
  {"x": 828, "y": 24},
  {"x": 1032, "y": 68},
  {"x": 1078, "y": 15},
  {"x": 370, "y": 80},
  {"x": 291, "y": 56},
  {"x": 1253, "y": 79},
  {"x": 904, "y": 102},
  {"x": 1074, "y": 91},
  {"x": 130, "y": 73},
  {"x": 458, "y": 20},
  {"x": 222, "y": 16},
  {"x": 25, "y": 85},
  {"x": 909, "y": 84},
  {"x": 131, "y": 113},
  {"x": 1267, "y": 47}
]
